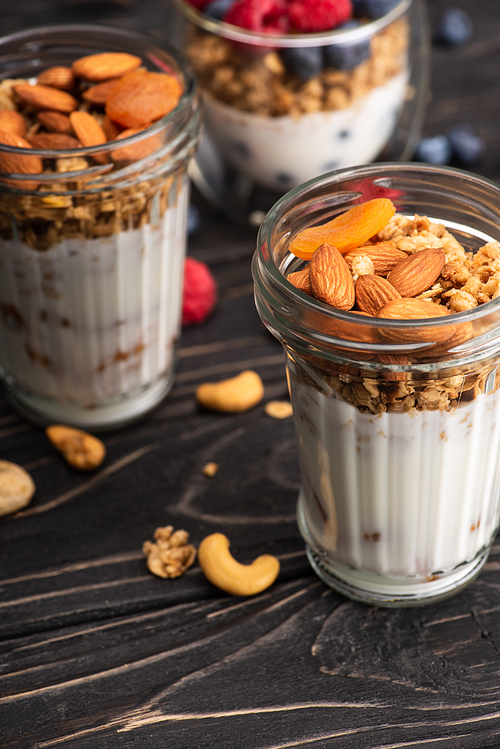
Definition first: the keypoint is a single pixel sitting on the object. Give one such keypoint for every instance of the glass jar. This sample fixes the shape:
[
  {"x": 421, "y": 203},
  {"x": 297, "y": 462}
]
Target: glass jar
[
  {"x": 273, "y": 122},
  {"x": 397, "y": 421},
  {"x": 92, "y": 246}
]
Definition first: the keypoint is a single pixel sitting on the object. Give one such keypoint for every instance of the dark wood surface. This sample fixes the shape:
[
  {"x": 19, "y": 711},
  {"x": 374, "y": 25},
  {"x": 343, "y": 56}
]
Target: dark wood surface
[{"x": 96, "y": 652}]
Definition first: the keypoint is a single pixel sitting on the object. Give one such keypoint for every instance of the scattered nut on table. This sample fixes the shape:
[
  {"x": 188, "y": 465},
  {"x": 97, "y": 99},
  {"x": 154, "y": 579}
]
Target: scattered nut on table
[
  {"x": 222, "y": 570},
  {"x": 80, "y": 449},
  {"x": 234, "y": 395},
  {"x": 278, "y": 409},
  {"x": 171, "y": 555},
  {"x": 16, "y": 487},
  {"x": 210, "y": 469}
]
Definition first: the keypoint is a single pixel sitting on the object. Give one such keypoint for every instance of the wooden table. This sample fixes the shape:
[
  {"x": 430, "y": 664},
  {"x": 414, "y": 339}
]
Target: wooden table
[{"x": 97, "y": 652}]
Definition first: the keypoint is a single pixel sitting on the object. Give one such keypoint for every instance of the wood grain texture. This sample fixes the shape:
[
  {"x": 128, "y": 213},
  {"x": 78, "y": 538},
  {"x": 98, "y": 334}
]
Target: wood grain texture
[{"x": 97, "y": 653}]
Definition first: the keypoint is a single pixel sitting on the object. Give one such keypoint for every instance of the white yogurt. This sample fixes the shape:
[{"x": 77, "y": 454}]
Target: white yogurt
[
  {"x": 401, "y": 497},
  {"x": 88, "y": 327},
  {"x": 281, "y": 152}
]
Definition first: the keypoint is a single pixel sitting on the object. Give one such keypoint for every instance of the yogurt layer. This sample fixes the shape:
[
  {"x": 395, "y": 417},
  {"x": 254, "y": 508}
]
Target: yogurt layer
[
  {"x": 89, "y": 321},
  {"x": 408, "y": 496},
  {"x": 281, "y": 152}
]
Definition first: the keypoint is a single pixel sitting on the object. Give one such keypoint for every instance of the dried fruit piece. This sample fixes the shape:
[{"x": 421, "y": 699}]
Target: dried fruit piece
[
  {"x": 104, "y": 65},
  {"x": 234, "y": 395},
  {"x": 80, "y": 449},
  {"x": 414, "y": 309},
  {"x": 347, "y": 231},
  {"x": 300, "y": 279},
  {"x": 372, "y": 292},
  {"x": 140, "y": 98},
  {"x": 19, "y": 163},
  {"x": 99, "y": 94},
  {"x": 45, "y": 97},
  {"x": 16, "y": 487},
  {"x": 58, "y": 76},
  {"x": 384, "y": 256},
  {"x": 199, "y": 293},
  {"x": 12, "y": 122},
  {"x": 331, "y": 279},
  {"x": 416, "y": 273},
  {"x": 136, "y": 151},
  {"x": 53, "y": 140},
  {"x": 55, "y": 122},
  {"x": 171, "y": 555}
]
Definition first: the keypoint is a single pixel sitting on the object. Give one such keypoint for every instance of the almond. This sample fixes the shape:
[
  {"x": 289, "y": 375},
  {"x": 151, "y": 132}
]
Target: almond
[
  {"x": 136, "y": 151},
  {"x": 12, "y": 122},
  {"x": 414, "y": 309},
  {"x": 89, "y": 132},
  {"x": 55, "y": 122},
  {"x": 372, "y": 292},
  {"x": 59, "y": 76},
  {"x": 416, "y": 273},
  {"x": 300, "y": 279},
  {"x": 53, "y": 140},
  {"x": 104, "y": 65},
  {"x": 352, "y": 331},
  {"x": 19, "y": 163},
  {"x": 393, "y": 359},
  {"x": 99, "y": 93},
  {"x": 384, "y": 256},
  {"x": 45, "y": 97},
  {"x": 110, "y": 128},
  {"x": 331, "y": 279}
]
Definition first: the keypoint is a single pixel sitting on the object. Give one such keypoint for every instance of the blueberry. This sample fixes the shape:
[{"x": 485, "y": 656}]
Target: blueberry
[
  {"x": 218, "y": 8},
  {"x": 434, "y": 150},
  {"x": 349, "y": 55},
  {"x": 455, "y": 27},
  {"x": 330, "y": 166},
  {"x": 467, "y": 146},
  {"x": 284, "y": 178},
  {"x": 373, "y": 8},
  {"x": 305, "y": 62},
  {"x": 344, "y": 134},
  {"x": 193, "y": 220},
  {"x": 241, "y": 149}
]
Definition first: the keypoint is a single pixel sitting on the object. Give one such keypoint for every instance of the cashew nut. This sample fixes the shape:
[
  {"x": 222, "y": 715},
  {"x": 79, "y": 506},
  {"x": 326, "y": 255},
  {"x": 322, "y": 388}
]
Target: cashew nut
[
  {"x": 80, "y": 449},
  {"x": 16, "y": 487},
  {"x": 223, "y": 571},
  {"x": 235, "y": 395}
]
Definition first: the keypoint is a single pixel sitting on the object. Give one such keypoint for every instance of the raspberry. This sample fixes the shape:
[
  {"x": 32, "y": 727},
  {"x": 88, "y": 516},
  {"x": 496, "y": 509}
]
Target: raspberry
[
  {"x": 198, "y": 4},
  {"x": 200, "y": 292},
  {"x": 267, "y": 16},
  {"x": 318, "y": 15}
]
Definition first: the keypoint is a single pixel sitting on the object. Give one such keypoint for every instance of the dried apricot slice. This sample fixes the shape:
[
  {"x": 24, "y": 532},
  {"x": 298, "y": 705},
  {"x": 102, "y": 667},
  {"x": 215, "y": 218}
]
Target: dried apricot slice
[
  {"x": 347, "y": 231},
  {"x": 141, "y": 97}
]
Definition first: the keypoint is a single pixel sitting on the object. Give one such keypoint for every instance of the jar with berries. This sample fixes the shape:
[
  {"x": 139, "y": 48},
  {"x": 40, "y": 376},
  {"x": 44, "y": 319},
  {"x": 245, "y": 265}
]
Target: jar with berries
[{"x": 294, "y": 89}]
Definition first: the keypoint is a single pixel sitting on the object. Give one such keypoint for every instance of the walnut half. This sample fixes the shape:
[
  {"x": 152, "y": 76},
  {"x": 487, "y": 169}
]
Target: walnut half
[{"x": 171, "y": 555}]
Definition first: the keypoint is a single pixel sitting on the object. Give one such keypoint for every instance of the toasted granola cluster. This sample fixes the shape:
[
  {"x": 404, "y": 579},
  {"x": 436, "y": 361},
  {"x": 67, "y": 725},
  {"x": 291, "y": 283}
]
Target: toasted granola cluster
[
  {"x": 170, "y": 555},
  {"x": 262, "y": 85},
  {"x": 467, "y": 279}
]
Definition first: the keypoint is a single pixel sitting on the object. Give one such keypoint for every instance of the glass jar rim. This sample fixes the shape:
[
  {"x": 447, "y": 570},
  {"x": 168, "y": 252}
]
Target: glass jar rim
[
  {"x": 185, "y": 101},
  {"x": 266, "y": 270},
  {"x": 322, "y": 38}
]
